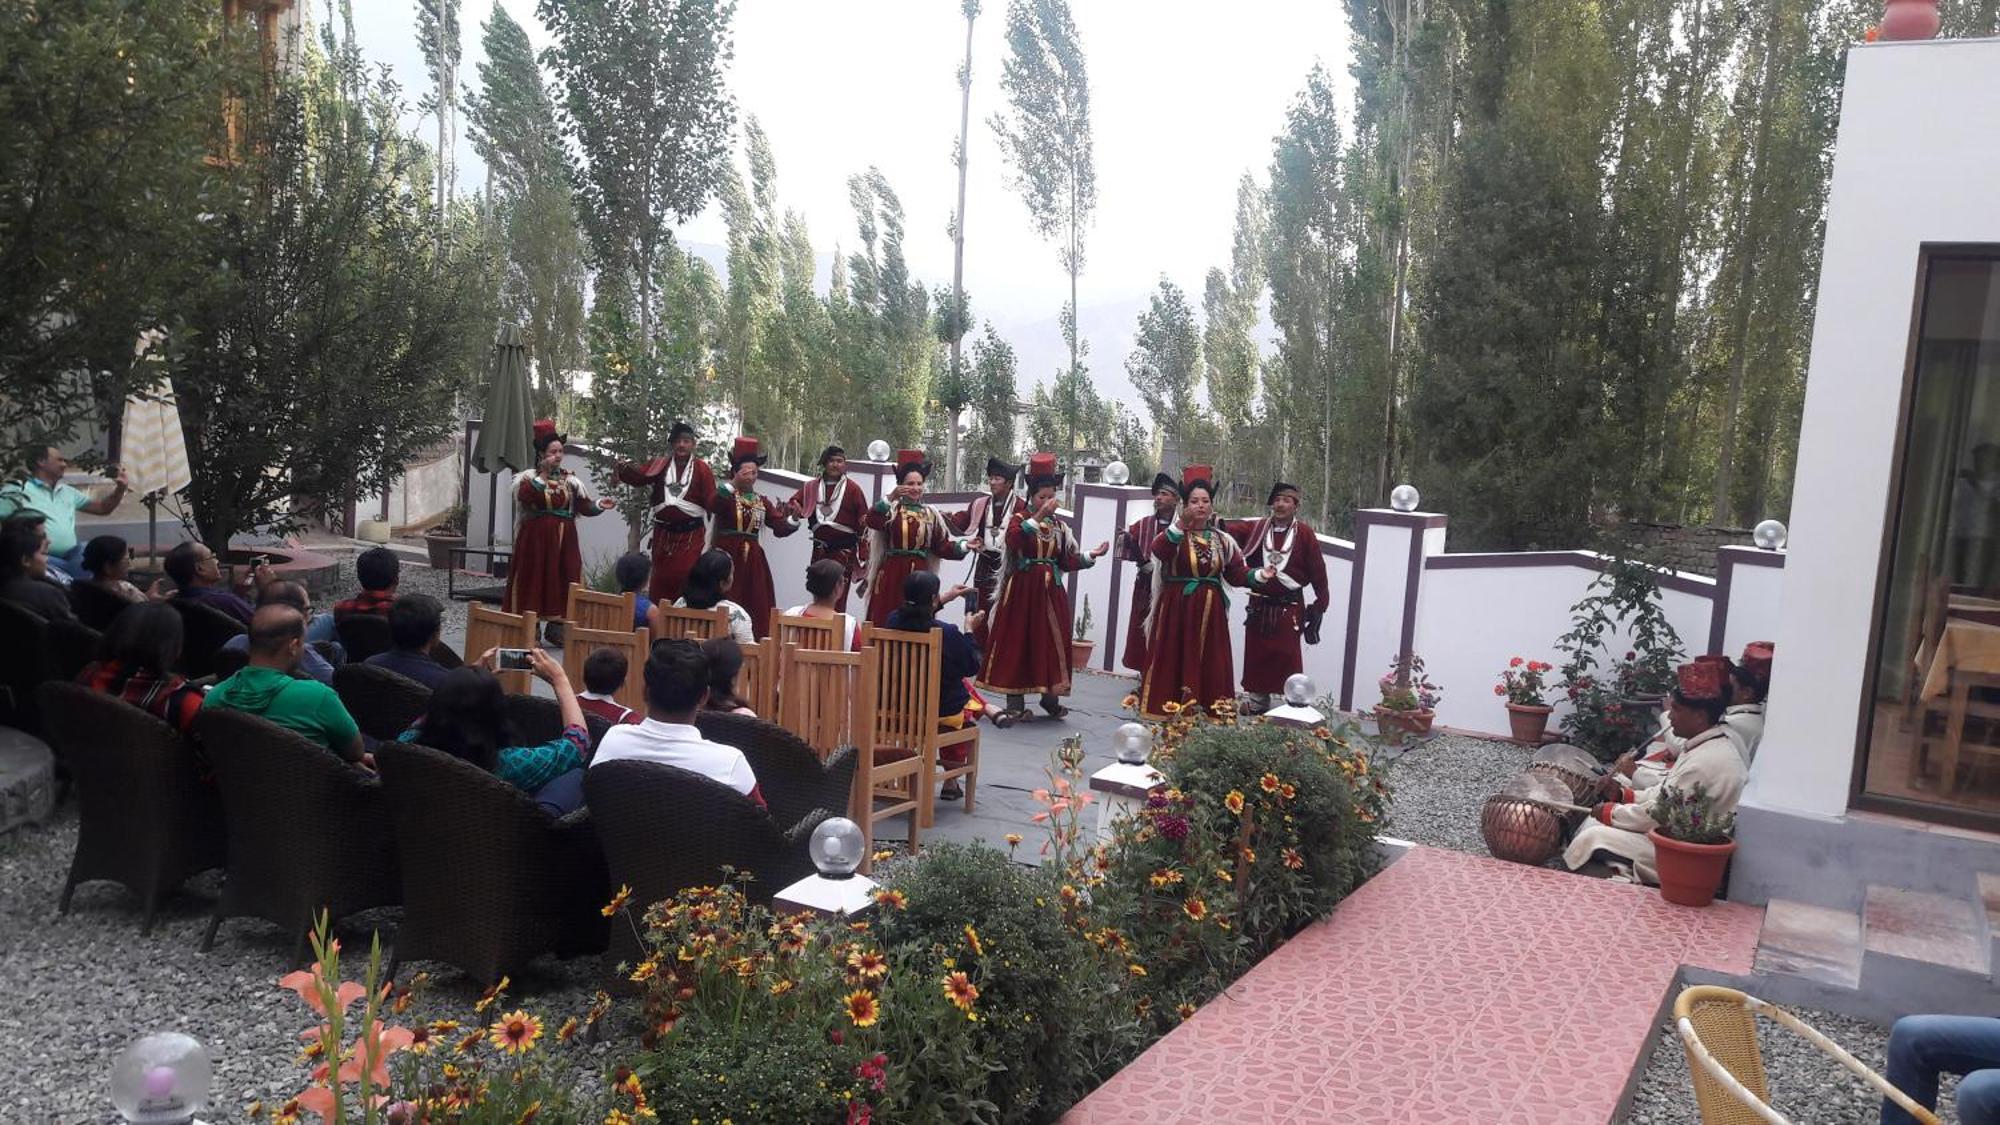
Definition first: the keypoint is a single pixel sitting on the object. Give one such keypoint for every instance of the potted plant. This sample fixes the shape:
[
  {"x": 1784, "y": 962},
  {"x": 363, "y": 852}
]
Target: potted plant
[
  {"x": 1080, "y": 645},
  {"x": 446, "y": 534},
  {"x": 1409, "y": 698},
  {"x": 1613, "y": 702},
  {"x": 1692, "y": 844},
  {"x": 1527, "y": 711}
]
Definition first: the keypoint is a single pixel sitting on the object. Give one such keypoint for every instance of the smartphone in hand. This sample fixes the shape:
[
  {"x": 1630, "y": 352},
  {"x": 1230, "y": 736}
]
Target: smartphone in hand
[{"x": 513, "y": 660}]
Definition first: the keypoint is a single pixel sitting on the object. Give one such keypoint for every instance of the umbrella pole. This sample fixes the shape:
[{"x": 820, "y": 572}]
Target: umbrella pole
[{"x": 152, "y": 502}]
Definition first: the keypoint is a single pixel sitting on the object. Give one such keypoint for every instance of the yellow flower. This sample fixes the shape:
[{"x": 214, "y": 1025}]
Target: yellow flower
[
  {"x": 782, "y": 985},
  {"x": 1129, "y": 702},
  {"x": 1234, "y": 802},
  {"x": 466, "y": 1045},
  {"x": 867, "y": 965},
  {"x": 567, "y": 1031},
  {"x": 287, "y": 1114},
  {"x": 529, "y": 1113},
  {"x": 884, "y": 855},
  {"x": 894, "y": 900},
  {"x": 1184, "y": 1010},
  {"x": 645, "y": 971},
  {"x": 1166, "y": 877},
  {"x": 618, "y": 901},
  {"x": 1136, "y": 969},
  {"x": 618, "y": 1117},
  {"x": 491, "y": 995},
  {"x": 743, "y": 967},
  {"x": 515, "y": 1032},
  {"x": 1195, "y": 909},
  {"x": 862, "y": 1007},
  {"x": 1249, "y": 855},
  {"x": 959, "y": 989},
  {"x": 1013, "y": 839},
  {"x": 1269, "y": 783},
  {"x": 1286, "y": 791},
  {"x": 1170, "y": 707},
  {"x": 972, "y": 939}
]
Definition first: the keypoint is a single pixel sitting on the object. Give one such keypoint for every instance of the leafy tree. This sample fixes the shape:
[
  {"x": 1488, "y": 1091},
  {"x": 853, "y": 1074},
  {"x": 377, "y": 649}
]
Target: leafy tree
[
  {"x": 953, "y": 385},
  {"x": 644, "y": 100},
  {"x": 754, "y": 279},
  {"x": 994, "y": 401},
  {"x": 1231, "y": 305},
  {"x": 883, "y": 324},
  {"x": 1046, "y": 139},
  {"x": 514, "y": 130},
  {"x": 442, "y": 44},
  {"x": 1165, "y": 364}
]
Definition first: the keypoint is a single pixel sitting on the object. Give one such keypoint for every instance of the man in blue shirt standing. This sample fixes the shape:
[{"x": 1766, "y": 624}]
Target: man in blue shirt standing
[{"x": 45, "y": 492}]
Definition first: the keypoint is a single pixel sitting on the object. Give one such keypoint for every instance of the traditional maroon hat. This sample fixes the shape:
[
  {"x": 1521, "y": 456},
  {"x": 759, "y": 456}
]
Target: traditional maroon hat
[
  {"x": 545, "y": 432},
  {"x": 1700, "y": 682},
  {"x": 745, "y": 449},
  {"x": 912, "y": 461},
  {"x": 1192, "y": 475},
  {"x": 1718, "y": 659},
  {"x": 1757, "y": 657},
  {"x": 1042, "y": 470}
]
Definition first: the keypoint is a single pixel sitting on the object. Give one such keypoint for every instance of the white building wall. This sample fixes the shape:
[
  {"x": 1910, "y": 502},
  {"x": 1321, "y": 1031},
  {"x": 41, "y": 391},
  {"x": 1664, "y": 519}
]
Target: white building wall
[{"x": 1917, "y": 161}]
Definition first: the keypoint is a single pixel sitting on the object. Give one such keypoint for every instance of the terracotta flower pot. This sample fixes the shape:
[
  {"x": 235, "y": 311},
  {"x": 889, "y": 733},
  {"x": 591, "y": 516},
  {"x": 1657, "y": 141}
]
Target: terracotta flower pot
[
  {"x": 1412, "y": 722},
  {"x": 1528, "y": 721},
  {"x": 440, "y": 547},
  {"x": 1690, "y": 874},
  {"x": 1909, "y": 19},
  {"x": 1079, "y": 653}
]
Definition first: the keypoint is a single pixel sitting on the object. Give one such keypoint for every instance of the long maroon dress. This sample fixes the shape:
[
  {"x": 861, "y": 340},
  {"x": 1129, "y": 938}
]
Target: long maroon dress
[
  {"x": 547, "y": 557},
  {"x": 739, "y": 519},
  {"x": 1188, "y": 658},
  {"x": 1028, "y": 631},
  {"x": 908, "y": 537},
  {"x": 1135, "y": 545},
  {"x": 1277, "y": 611},
  {"x": 680, "y": 493}
]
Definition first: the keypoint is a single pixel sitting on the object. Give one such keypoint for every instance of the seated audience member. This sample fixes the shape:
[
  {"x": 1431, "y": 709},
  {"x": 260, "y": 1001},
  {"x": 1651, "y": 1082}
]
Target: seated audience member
[
  {"x": 725, "y": 668},
  {"x": 197, "y": 578},
  {"x": 676, "y": 688},
  {"x": 287, "y": 592},
  {"x": 824, "y": 581},
  {"x": 1922, "y": 1047},
  {"x": 1617, "y": 833},
  {"x": 634, "y": 570},
  {"x": 467, "y": 719},
  {"x": 415, "y": 622},
  {"x": 706, "y": 581},
  {"x": 24, "y": 568},
  {"x": 267, "y": 687},
  {"x": 379, "y": 571},
  {"x": 1750, "y": 681},
  {"x": 107, "y": 559},
  {"x": 603, "y": 674},
  {"x": 959, "y": 663},
  {"x": 135, "y": 662}
]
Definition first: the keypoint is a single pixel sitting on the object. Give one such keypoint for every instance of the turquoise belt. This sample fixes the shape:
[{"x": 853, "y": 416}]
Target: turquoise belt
[{"x": 1190, "y": 585}]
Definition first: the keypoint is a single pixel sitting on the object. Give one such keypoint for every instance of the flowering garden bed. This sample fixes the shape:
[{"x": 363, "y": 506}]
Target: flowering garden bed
[{"x": 976, "y": 990}]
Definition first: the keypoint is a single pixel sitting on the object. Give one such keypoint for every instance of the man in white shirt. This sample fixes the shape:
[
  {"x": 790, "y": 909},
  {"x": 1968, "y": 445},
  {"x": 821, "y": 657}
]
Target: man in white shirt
[{"x": 676, "y": 688}]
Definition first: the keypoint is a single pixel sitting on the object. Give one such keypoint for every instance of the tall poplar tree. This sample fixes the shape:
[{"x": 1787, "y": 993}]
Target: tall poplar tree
[
  {"x": 442, "y": 44},
  {"x": 955, "y": 386}
]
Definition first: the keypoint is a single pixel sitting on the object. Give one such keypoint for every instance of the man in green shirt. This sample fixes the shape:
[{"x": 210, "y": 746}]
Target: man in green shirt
[
  {"x": 45, "y": 492},
  {"x": 266, "y": 687}
]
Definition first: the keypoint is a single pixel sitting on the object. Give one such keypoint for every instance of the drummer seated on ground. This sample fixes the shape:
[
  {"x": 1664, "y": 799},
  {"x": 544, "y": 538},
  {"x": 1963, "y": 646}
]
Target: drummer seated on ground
[
  {"x": 1745, "y": 682},
  {"x": 1616, "y": 833}
]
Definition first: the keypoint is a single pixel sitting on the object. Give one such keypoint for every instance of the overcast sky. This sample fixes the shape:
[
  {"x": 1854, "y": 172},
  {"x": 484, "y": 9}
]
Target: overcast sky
[{"x": 1184, "y": 100}]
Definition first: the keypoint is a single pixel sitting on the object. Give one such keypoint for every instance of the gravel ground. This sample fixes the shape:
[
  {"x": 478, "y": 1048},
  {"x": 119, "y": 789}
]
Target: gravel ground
[{"x": 1438, "y": 787}]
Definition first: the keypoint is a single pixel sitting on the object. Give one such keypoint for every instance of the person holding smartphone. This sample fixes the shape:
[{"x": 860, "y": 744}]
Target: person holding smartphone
[
  {"x": 958, "y": 704},
  {"x": 467, "y": 718},
  {"x": 1027, "y": 642}
]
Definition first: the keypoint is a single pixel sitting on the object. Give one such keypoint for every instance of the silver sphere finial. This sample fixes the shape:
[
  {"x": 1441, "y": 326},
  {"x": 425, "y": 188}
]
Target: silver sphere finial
[
  {"x": 161, "y": 1078},
  {"x": 1117, "y": 472},
  {"x": 1769, "y": 535},
  {"x": 836, "y": 847},
  {"x": 1404, "y": 498},
  {"x": 1299, "y": 690},
  {"x": 878, "y": 450},
  {"x": 1132, "y": 742}
]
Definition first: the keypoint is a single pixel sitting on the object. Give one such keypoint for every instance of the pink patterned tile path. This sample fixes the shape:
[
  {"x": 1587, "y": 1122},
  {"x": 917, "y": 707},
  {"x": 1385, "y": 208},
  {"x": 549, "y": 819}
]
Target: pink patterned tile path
[{"x": 1449, "y": 988}]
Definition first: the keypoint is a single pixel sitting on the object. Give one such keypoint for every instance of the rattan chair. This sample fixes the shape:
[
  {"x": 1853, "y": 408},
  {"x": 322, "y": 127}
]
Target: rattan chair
[
  {"x": 71, "y": 646},
  {"x": 307, "y": 831},
  {"x": 1718, "y": 1027},
  {"x": 793, "y": 778},
  {"x": 666, "y": 829},
  {"x": 363, "y": 635},
  {"x": 146, "y": 818},
  {"x": 634, "y": 643},
  {"x": 486, "y": 627},
  {"x": 383, "y": 703},
  {"x": 535, "y": 720},
  {"x": 909, "y": 680},
  {"x": 693, "y": 624},
  {"x": 23, "y": 664},
  {"x": 94, "y": 605},
  {"x": 205, "y": 629},
  {"x": 609, "y": 613},
  {"x": 490, "y": 880}
]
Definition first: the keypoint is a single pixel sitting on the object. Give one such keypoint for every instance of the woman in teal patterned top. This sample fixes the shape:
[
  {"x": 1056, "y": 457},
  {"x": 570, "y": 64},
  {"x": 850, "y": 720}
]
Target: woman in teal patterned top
[{"x": 467, "y": 718}]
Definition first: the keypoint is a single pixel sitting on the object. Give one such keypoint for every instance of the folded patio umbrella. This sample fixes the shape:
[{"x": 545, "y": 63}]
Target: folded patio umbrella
[
  {"x": 153, "y": 453},
  {"x": 504, "y": 429}
]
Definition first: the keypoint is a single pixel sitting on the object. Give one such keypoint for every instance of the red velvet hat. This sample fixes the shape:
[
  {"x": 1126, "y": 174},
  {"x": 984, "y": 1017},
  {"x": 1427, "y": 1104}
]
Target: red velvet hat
[
  {"x": 1718, "y": 659},
  {"x": 1700, "y": 682},
  {"x": 1192, "y": 475},
  {"x": 1042, "y": 470},
  {"x": 745, "y": 449},
  {"x": 545, "y": 432},
  {"x": 912, "y": 461},
  {"x": 1757, "y": 657}
]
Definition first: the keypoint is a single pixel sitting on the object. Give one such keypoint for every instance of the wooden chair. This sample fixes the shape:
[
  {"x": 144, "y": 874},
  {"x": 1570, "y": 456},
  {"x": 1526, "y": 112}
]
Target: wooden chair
[
  {"x": 486, "y": 627},
  {"x": 693, "y": 624},
  {"x": 610, "y": 613},
  {"x": 908, "y": 681},
  {"x": 759, "y": 679},
  {"x": 1931, "y": 615},
  {"x": 814, "y": 634},
  {"x": 819, "y": 697},
  {"x": 1718, "y": 1026},
  {"x": 635, "y": 644}
]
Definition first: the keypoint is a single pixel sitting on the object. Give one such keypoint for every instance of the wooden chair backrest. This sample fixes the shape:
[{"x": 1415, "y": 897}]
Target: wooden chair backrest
[
  {"x": 590, "y": 609},
  {"x": 486, "y": 627},
  {"x": 759, "y": 679},
  {"x": 812, "y": 633},
  {"x": 634, "y": 643},
  {"x": 903, "y": 712},
  {"x": 821, "y": 694},
  {"x": 693, "y": 624}
]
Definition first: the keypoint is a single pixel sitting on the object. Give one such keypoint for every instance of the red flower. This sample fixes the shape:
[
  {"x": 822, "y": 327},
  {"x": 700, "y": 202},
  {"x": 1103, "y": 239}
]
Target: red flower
[
  {"x": 1499, "y": 689},
  {"x": 1515, "y": 663}
]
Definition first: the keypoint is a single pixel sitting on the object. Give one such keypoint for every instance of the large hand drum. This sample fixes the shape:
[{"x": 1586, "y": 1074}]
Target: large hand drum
[
  {"x": 1576, "y": 770},
  {"x": 1522, "y": 822}
]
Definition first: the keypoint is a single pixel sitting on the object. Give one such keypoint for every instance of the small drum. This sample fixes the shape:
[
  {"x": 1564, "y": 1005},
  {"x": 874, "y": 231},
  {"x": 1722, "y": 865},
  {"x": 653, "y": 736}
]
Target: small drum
[
  {"x": 1521, "y": 822},
  {"x": 1576, "y": 770}
]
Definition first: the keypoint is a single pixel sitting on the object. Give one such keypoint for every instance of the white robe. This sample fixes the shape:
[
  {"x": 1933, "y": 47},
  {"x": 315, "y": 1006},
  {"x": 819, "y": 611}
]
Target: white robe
[
  {"x": 1710, "y": 759},
  {"x": 1743, "y": 722}
]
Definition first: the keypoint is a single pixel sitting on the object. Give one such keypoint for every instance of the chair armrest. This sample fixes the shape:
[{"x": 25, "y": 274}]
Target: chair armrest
[
  {"x": 953, "y": 738},
  {"x": 843, "y": 760},
  {"x": 801, "y": 832}
]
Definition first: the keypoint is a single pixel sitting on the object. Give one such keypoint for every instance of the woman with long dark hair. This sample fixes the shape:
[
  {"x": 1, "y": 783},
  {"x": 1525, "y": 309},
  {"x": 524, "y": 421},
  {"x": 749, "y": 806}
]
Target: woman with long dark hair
[
  {"x": 135, "y": 662},
  {"x": 725, "y": 667},
  {"x": 467, "y": 718},
  {"x": 958, "y": 705},
  {"x": 1188, "y": 658},
  {"x": 706, "y": 583}
]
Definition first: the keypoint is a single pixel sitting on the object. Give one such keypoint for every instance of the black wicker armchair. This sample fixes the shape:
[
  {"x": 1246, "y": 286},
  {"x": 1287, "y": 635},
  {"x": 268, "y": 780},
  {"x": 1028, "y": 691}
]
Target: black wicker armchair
[
  {"x": 307, "y": 831},
  {"x": 146, "y": 817},
  {"x": 71, "y": 646},
  {"x": 536, "y": 720},
  {"x": 490, "y": 880},
  {"x": 665, "y": 829},
  {"x": 206, "y": 630},
  {"x": 363, "y": 635},
  {"x": 383, "y": 703},
  {"x": 793, "y": 779},
  {"x": 23, "y": 664},
  {"x": 94, "y": 605}
]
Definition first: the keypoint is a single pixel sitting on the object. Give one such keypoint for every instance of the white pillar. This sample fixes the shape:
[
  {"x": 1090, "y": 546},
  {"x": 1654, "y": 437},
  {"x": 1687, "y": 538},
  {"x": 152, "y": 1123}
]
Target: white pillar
[{"x": 1390, "y": 548}]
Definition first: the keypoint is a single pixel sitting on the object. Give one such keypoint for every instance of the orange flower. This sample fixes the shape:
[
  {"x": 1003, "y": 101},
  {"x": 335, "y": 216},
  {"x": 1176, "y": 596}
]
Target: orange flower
[
  {"x": 376, "y": 1043},
  {"x": 1195, "y": 909},
  {"x": 1269, "y": 783},
  {"x": 1164, "y": 878},
  {"x": 782, "y": 985},
  {"x": 567, "y": 1031},
  {"x": 465, "y": 1046},
  {"x": 1170, "y": 707},
  {"x": 862, "y": 1008},
  {"x": 1286, "y": 791},
  {"x": 287, "y": 1114},
  {"x": 972, "y": 939},
  {"x": 1013, "y": 839},
  {"x": 1234, "y": 802},
  {"x": 306, "y": 984},
  {"x": 1184, "y": 1010},
  {"x": 867, "y": 965},
  {"x": 894, "y": 900},
  {"x": 618, "y": 901},
  {"x": 960, "y": 990},
  {"x": 420, "y": 1040},
  {"x": 618, "y": 1117},
  {"x": 1293, "y": 860},
  {"x": 516, "y": 1032},
  {"x": 1136, "y": 969},
  {"x": 529, "y": 1113},
  {"x": 1129, "y": 702},
  {"x": 490, "y": 996}
]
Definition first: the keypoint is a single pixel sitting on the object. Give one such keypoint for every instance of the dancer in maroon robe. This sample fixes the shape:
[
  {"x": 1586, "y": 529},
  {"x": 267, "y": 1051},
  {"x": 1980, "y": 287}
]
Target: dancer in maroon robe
[
  {"x": 740, "y": 519},
  {"x": 1188, "y": 658},
  {"x": 682, "y": 488},
  {"x": 1283, "y": 557},
  {"x": 1135, "y": 545},
  {"x": 985, "y": 520},
  {"x": 1028, "y": 650},
  {"x": 904, "y": 534},
  {"x": 547, "y": 559},
  {"x": 835, "y": 508}
]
